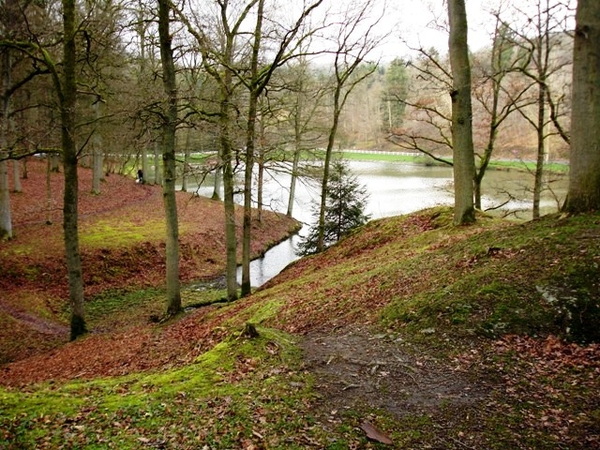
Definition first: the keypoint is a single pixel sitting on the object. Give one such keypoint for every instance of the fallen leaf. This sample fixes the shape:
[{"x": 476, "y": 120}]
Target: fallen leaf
[{"x": 375, "y": 434}]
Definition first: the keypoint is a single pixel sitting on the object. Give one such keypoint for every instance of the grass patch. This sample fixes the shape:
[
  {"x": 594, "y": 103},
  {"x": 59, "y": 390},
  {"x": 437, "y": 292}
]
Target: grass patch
[
  {"x": 554, "y": 167},
  {"x": 389, "y": 157},
  {"x": 247, "y": 391},
  {"x": 108, "y": 234},
  {"x": 114, "y": 307}
]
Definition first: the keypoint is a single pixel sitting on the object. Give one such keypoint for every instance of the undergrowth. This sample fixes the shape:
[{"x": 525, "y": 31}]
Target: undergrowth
[
  {"x": 504, "y": 302},
  {"x": 242, "y": 391}
]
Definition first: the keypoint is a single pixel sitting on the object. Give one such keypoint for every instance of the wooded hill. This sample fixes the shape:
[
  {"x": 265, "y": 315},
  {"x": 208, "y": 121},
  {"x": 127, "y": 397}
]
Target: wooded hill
[{"x": 409, "y": 331}]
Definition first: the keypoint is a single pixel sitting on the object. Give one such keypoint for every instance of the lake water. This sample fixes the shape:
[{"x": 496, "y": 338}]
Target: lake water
[{"x": 394, "y": 189}]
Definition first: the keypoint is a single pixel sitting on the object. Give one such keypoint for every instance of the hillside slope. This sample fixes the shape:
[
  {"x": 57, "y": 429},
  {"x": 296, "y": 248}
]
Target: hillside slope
[
  {"x": 410, "y": 331},
  {"x": 122, "y": 234},
  {"x": 418, "y": 273}
]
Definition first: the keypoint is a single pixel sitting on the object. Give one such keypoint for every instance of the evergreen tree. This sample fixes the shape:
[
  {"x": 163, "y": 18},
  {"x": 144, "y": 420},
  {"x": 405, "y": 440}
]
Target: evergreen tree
[{"x": 346, "y": 201}]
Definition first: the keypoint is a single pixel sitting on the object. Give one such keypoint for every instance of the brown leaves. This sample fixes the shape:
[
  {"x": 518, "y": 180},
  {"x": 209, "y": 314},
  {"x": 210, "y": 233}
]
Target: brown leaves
[
  {"x": 555, "y": 384},
  {"x": 551, "y": 354},
  {"x": 375, "y": 434},
  {"x": 36, "y": 276}
]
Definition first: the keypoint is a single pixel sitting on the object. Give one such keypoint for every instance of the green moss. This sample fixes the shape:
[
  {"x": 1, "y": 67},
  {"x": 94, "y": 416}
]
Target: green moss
[
  {"x": 226, "y": 386},
  {"x": 262, "y": 311},
  {"x": 118, "y": 304},
  {"x": 107, "y": 234}
]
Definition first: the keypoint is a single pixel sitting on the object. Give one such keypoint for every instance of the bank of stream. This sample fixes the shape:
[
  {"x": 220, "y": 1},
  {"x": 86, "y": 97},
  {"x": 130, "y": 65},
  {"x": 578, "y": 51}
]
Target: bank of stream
[{"x": 394, "y": 188}]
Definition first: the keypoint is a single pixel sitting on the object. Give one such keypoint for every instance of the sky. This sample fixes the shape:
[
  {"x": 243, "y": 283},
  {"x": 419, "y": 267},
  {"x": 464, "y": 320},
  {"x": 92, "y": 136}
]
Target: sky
[
  {"x": 416, "y": 22},
  {"x": 420, "y": 23}
]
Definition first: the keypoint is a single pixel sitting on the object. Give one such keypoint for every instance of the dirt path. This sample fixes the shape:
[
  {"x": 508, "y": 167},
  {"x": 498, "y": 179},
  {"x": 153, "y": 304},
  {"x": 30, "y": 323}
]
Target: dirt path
[
  {"x": 37, "y": 323},
  {"x": 358, "y": 369}
]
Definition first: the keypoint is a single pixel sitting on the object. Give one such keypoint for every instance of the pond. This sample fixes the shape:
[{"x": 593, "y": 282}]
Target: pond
[{"x": 393, "y": 188}]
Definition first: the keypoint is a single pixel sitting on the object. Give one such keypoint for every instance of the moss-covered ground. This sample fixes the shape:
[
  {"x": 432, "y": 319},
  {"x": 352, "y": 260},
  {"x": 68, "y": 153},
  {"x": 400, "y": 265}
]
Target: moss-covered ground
[{"x": 434, "y": 336}]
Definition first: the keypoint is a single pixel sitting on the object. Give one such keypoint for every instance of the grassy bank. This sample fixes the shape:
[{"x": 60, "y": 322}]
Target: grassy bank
[
  {"x": 528, "y": 166},
  {"x": 230, "y": 396},
  {"x": 436, "y": 336}
]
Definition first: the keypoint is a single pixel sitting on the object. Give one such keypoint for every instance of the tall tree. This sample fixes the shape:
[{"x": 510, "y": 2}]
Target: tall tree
[
  {"x": 224, "y": 58},
  {"x": 67, "y": 91},
  {"x": 305, "y": 99},
  {"x": 169, "y": 128},
  {"x": 584, "y": 183},
  {"x": 256, "y": 84},
  {"x": 394, "y": 95},
  {"x": 353, "y": 47},
  {"x": 5, "y": 82},
  {"x": 8, "y": 21},
  {"x": 540, "y": 40},
  {"x": 491, "y": 94},
  {"x": 462, "y": 128},
  {"x": 218, "y": 59}
]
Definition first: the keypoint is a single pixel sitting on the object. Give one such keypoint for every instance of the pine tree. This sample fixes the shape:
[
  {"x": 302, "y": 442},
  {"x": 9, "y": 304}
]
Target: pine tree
[{"x": 345, "y": 211}]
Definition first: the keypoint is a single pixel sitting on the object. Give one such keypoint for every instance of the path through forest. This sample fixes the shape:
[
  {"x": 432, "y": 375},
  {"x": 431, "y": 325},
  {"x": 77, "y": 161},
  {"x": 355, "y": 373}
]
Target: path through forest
[{"x": 356, "y": 369}]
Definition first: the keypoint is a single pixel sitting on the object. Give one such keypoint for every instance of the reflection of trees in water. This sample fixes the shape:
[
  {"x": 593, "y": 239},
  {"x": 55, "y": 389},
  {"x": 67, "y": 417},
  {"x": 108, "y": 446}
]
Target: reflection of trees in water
[{"x": 398, "y": 188}]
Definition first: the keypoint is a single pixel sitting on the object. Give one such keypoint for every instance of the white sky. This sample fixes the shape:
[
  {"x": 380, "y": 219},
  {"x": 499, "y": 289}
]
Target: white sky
[
  {"x": 416, "y": 22},
  {"x": 420, "y": 23}
]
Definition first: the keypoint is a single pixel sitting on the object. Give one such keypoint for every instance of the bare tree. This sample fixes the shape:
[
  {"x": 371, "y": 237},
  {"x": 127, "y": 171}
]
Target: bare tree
[
  {"x": 355, "y": 36},
  {"x": 219, "y": 51},
  {"x": 462, "y": 132},
  {"x": 67, "y": 92},
  {"x": 494, "y": 94},
  {"x": 305, "y": 98},
  {"x": 428, "y": 120},
  {"x": 169, "y": 130},
  {"x": 256, "y": 84},
  {"x": 5, "y": 212},
  {"x": 542, "y": 40}
]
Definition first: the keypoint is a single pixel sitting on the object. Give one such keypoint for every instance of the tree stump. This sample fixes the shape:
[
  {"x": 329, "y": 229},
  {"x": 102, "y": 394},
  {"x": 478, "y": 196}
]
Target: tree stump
[{"x": 250, "y": 331}]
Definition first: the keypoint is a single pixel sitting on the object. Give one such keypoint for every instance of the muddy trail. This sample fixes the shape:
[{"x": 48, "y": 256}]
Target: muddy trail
[{"x": 355, "y": 367}]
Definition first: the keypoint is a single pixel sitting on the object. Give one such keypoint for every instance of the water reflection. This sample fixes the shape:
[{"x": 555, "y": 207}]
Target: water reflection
[{"x": 393, "y": 188}]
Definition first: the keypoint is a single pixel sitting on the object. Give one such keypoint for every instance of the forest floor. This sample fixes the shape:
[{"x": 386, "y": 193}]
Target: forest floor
[
  {"x": 122, "y": 233},
  {"x": 391, "y": 339}
]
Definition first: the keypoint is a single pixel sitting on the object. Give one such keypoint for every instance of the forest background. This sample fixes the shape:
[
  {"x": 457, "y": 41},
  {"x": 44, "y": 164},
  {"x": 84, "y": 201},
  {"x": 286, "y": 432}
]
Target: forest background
[{"x": 216, "y": 87}]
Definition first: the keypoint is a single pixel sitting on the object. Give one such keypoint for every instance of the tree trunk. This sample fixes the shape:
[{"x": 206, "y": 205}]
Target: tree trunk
[
  {"x": 260, "y": 181},
  {"x": 293, "y": 181},
  {"x": 169, "y": 129},
  {"x": 48, "y": 192},
  {"x": 145, "y": 165},
  {"x": 584, "y": 183},
  {"x": 216, "y": 195},
  {"x": 229, "y": 205},
  {"x": 498, "y": 74},
  {"x": 96, "y": 155},
  {"x": 54, "y": 162},
  {"x": 337, "y": 110},
  {"x": 297, "y": 146},
  {"x": 5, "y": 215},
  {"x": 228, "y": 183},
  {"x": 186, "y": 160},
  {"x": 462, "y": 132},
  {"x": 157, "y": 158},
  {"x": 17, "y": 176},
  {"x": 541, "y": 150},
  {"x": 250, "y": 144},
  {"x": 70, "y": 202},
  {"x": 247, "y": 228}
]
